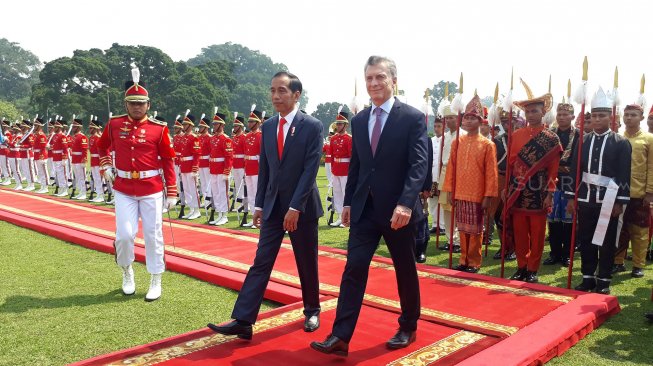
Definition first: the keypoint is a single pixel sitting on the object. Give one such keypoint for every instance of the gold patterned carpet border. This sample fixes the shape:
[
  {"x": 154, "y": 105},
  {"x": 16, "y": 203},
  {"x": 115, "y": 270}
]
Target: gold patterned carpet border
[{"x": 439, "y": 350}]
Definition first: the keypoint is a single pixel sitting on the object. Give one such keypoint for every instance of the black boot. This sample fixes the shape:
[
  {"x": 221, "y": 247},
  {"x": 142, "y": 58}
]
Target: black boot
[
  {"x": 603, "y": 286},
  {"x": 531, "y": 277},
  {"x": 519, "y": 275},
  {"x": 588, "y": 284},
  {"x": 244, "y": 220},
  {"x": 212, "y": 216},
  {"x": 181, "y": 212}
]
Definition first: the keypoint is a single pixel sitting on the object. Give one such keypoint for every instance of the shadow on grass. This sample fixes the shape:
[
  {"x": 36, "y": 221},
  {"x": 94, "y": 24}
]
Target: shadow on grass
[{"x": 21, "y": 304}]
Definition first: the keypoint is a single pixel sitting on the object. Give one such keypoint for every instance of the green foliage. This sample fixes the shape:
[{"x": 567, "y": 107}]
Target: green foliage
[
  {"x": 9, "y": 111},
  {"x": 19, "y": 70},
  {"x": 327, "y": 112},
  {"x": 437, "y": 93}
]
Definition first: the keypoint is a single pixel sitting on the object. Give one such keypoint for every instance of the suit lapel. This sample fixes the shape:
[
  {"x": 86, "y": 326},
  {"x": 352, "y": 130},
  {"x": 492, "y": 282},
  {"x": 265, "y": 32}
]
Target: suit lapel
[
  {"x": 293, "y": 132},
  {"x": 365, "y": 133},
  {"x": 390, "y": 124},
  {"x": 272, "y": 140}
]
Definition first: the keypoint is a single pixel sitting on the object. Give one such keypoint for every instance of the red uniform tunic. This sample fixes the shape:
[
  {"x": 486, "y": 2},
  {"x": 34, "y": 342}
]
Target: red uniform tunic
[
  {"x": 93, "y": 149},
  {"x": 4, "y": 148},
  {"x": 238, "y": 143},
  {"x": 69, "y": 143},
  {"x": 340, "y": 147},
  {"x": 14, "y": 146},
  {"x": 79, "y": 148},
  {"x": 59, "y": 144},
  {"x": 252, "y": 152},
  {"x": 25, "y": 148},
  {"x": 140, "y": 146},
  {"x": 177, "y": 143},
  {"x": 205, "y": 150},
  {"x": 326, "y": 150},
  {"x": 190, "y": 154},
  {"x": 39, "y": 148},
  {"x": 221, "y": 154}
]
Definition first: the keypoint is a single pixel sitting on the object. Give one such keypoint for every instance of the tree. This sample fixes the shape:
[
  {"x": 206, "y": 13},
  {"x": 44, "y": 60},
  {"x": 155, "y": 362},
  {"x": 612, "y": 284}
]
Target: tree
[
  {"x": 437, "y": 93},
  {"x": 19, "y": 70},
  {"x": 327, "y": 112},
  {"x": 9, "y": 111}
]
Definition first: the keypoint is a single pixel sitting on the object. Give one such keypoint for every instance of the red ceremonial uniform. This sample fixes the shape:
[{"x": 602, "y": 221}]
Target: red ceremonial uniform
[
  {"x": 79, "y": 148},
  {"x": 221, "y": 154},
  {"x": 39, "y": 147},
  {"x": 252, "y": 152},
  {"x": 326, "y": 150},
  {"x": 238, "y": 144},
  {"x": 177, "y": 143},
  {"x": 59, "y": 145},
  {"x": 140, "y": 147},
  {"x": 69, "y": 143},
  {"x": 189, "y": 154},
  {"x": 14, "y": 146},
  {"x": 340, "y": 146},
  {"x": 205, "y": 150},
  {"x": 4, "y": 148},
  {"x": 25, "y": 150},
  {"x": 93, "y": 149}
]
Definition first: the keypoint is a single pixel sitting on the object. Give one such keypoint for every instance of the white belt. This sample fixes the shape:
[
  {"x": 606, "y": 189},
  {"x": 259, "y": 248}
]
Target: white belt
[
  {"x": 95, "y": 155},
  {"x": 186, "y": 158},
  {"x": 137, "y": 174},
  {"x": 57, "y": 151},
  {"x": 77, "y": 153},
  {"x": 204, "y": 157},
  {"x": 239, "y": 156},
  {"x": 37, "y": 150},
  {"x": 216, "y": 160},
  {"x": 328, "y": 156},
  {"x": 341, "y": 160},
  {"x": 255, "y": 157},
  {"x": 611, "y": 190}
]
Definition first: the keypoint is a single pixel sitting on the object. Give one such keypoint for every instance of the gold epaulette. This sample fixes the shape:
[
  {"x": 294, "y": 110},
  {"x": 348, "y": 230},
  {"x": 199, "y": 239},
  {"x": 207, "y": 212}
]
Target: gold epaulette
[
  {"x": 118, "y": 116},
  {"x": 156, "y": 121}
]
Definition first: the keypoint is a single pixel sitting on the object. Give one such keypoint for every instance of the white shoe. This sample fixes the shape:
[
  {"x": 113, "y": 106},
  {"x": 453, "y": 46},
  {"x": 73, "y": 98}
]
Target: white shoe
[
  {"x": 216, "y": 219},
  {"x": 29, "y": 188},
  {"x": 112, "y": 202},
  {"x": 97, "y": 199},
  {"x": 249, "y": 224},
  {"x": 18, "y": 187},
  {"x": 128, "y": 284},
  {"x": 6, "y": 182},
  {"x": 195, "y": 213},
  {"x": 223, "y": 220},
  {"x": 336, "y": 223},
  {"x": 62, "y": 194},
  {"x": 155, "y": 288},
  {"x": 42, "y": 190},
  {"x": 80, "y": 197}
]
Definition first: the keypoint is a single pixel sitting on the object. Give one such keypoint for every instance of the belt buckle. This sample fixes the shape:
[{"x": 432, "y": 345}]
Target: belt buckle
[{"x": 135, "y": 175}]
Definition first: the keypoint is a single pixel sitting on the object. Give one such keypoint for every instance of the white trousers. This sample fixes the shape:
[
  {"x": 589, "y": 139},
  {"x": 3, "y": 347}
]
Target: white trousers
[
  {"x": 60, "y": 174},
  {"x": 4, "y": 167},
  {"x": 50, "y": 166},
  {"x": 26, "y": 170},
  {"x": 13, "y": 166},
  {"x": 329, "y": 176},
  {"x": 251, "y": 182},
  {"x": 433, "y": 206},
  {"x": 150, "y": 210},
  {"x": 182, "y": 201},
  {"x": 205, "y": 182},
  {"x": 42, "y": 172},
  {"x": 447, "y": 226},
  {"x": 219, "y": 194},
  {"x": 339, "y": 183},
  {"x": 97, "y": 181},
  {"x": 68, "y": 170},
  {"x": 190, "y": 190},
  {"x": 239, "y": 182},
  {"x": 80, "y": 178}
]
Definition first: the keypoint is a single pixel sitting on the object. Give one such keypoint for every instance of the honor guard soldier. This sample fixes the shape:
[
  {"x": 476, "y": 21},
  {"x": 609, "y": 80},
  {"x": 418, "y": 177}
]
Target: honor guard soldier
[
  {"x": 142, "y": 153},
  {"x": 5, "y": 173},
  {"x": 14, "y": 161},
  {"x": 340, "y": 147},
  {"x": 252, "y": 152},
  {"x": 326, "y": 150},
  {"x": 59, "y": 145},
  {"x": 94, "y": 128},
  {"x": 189, "y": 167},
  {"x": 26, "y": 154},
  {"x": 79, "y": 156},
  {"x": 238, "y": 144},
  {"x": 205, "y": 152},
  {"x": 603, "y": 191},
  {"x": 67, "y": 152},
  {"x": 40, "y": 155},
  {"x": 177, "y": 143},
  {"x": 220, "y": 166}
]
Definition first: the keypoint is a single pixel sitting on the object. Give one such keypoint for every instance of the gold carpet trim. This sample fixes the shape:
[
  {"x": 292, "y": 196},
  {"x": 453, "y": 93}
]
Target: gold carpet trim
[
  {"x": 439, "y": 349},
  {"x": 182, "y": 349}
]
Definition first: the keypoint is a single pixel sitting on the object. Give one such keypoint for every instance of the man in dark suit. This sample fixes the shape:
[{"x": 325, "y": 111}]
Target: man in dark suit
[
  {"x": 287, "y": 199},
  {"x": 387, "y": 171}
]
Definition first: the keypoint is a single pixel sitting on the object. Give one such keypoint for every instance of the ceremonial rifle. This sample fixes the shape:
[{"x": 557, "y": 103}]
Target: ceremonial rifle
[{"x": 507, "y": 104}]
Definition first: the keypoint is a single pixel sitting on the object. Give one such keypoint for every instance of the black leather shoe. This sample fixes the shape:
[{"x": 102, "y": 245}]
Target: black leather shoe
[
  {"x": 565, "y": 262},
  {"x": 637, "y": 273},
  {"x": 311, "y": 323},
  {"x": 531, "y": 277},
  {"x": 421, "y": 258},
  {"x": 549, "y": 261},
  {"x": 234, "y": 328},
  {"x": 519, "y": 275},
  {"x": 456, "y": 248},
  {"x": 617, "y": 268},
  {"x": 433, "y": 230},
  {"x": 460, "y": 267},
  {"x": 603, "y": 287},
  {"x": 472, "y": 269},
  {"x": 587, "y": 285},
  {"x": 444, "y": 246},
  {"x": 649, "y": 316},
  {"x": 401, "y": 339},
  {"x": 511, "y": 256},
  {"x": 332, "y": 345},
  {"x": 497, "y": 255}
]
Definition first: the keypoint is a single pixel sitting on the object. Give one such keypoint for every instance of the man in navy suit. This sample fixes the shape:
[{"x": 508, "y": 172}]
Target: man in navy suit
[
  {"x": 388, "y": 167},
  {"x": 287, "y": 199}
]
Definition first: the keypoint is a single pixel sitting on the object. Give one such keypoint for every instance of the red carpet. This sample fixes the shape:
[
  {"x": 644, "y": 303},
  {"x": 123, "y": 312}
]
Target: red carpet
[{"x": 501, "y": 316}]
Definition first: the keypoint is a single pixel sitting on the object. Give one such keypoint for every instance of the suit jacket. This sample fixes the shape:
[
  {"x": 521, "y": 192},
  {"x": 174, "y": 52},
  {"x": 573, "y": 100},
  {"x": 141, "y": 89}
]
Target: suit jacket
[
  {"x": 291, "y": 181},
  {"x": 395, "y": 174}
]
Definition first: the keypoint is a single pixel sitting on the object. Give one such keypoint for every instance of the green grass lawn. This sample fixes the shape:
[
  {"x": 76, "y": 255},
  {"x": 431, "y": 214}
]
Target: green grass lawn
[{"x": 81, "y": 317}]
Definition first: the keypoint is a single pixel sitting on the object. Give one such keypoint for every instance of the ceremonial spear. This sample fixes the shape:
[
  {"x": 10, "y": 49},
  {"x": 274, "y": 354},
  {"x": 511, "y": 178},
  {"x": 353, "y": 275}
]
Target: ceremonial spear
[
  {"x": 493, "y": 117},
  {"x": 615, "y": 100},
  {"x": 579, "y": 97},
  {"x": 440, "y": 111},
  {"x": 456, "y": 106},
  {"x": 507, "y": 105}
]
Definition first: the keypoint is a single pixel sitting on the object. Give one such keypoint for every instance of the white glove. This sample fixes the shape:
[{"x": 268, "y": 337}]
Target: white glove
[
  {"x": 108, "y": 174},
  {"x": 171, "y": 202},
  {"x": 48, "y": 146}
]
